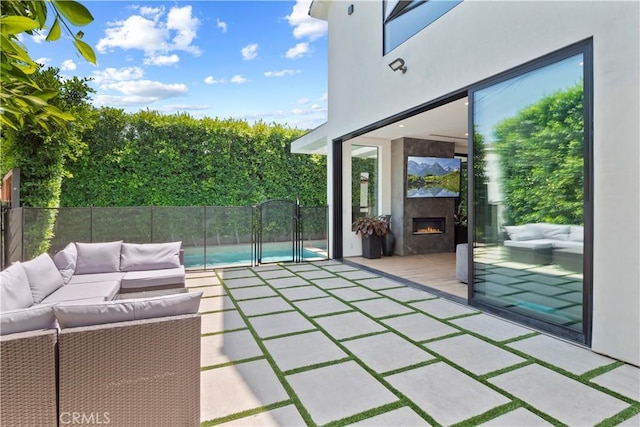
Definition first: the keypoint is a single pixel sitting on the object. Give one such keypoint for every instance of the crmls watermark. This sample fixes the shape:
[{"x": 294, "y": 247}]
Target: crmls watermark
[{"x": 77, "y": 418}]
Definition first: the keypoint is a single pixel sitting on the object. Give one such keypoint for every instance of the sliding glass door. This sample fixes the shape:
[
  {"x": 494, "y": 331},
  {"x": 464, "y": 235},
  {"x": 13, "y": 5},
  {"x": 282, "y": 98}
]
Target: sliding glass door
[{"x": 531, "y": 205}]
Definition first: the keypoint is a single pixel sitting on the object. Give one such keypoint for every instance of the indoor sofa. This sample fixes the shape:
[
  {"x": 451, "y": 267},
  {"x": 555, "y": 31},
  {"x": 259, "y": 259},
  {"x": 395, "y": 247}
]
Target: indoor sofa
[{"x": 543, "y": 243}]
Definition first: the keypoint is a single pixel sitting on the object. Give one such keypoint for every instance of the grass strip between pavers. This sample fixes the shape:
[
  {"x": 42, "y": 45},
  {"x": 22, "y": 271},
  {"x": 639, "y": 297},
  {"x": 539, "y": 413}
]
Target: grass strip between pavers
[
  {"x": 247, "y": 413},
  {"x": 404, "y": 401}
]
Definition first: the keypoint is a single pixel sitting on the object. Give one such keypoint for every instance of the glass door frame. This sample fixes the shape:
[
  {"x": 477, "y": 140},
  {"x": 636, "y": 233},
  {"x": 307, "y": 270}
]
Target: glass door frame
[{"x": 586, "y": 49}]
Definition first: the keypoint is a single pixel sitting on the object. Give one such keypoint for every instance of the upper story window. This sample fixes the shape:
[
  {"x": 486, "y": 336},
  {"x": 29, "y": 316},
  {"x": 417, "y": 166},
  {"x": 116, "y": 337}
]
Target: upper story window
[{"x": 403, "y": 19}]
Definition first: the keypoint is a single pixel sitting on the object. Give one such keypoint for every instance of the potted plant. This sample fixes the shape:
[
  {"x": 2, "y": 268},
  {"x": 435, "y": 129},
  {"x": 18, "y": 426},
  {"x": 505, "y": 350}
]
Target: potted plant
[
  {"x": 372, "y": 228},
  {"x": 460, "y": 223}
]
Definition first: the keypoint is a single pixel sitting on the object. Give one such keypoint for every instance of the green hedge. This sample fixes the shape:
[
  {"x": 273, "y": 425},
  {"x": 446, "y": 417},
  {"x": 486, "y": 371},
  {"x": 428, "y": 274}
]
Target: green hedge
[{"x": 147, "y": 158}]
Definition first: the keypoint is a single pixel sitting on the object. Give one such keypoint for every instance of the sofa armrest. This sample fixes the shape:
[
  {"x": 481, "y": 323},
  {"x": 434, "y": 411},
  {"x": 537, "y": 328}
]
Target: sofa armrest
[
  {"x": 142, "y": 372},
  {"x": 28, "y": 374}
]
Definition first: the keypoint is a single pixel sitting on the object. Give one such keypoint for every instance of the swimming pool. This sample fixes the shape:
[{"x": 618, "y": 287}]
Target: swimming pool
[{"x": 236, "y": 255}]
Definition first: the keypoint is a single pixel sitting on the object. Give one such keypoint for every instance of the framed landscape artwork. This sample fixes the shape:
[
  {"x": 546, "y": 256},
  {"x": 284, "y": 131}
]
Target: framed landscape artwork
[{"x": 433, "y": 177}]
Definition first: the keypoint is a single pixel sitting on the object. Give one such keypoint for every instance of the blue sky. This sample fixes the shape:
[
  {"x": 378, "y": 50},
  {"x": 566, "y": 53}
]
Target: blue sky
[{"x": 252, "y": 60}]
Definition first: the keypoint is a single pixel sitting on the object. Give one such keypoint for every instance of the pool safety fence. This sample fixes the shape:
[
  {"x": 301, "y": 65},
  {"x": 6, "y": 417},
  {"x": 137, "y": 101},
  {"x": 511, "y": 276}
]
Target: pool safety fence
[{"x": 27, "y": 232}]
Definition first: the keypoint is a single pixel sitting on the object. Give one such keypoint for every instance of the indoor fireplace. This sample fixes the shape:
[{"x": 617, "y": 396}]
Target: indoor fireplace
[{"x": 428, "y": 225}]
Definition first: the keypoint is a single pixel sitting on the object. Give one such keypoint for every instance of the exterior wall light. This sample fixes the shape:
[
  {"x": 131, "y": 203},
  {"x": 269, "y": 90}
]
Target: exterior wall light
[{"x": 398, "y": 64}]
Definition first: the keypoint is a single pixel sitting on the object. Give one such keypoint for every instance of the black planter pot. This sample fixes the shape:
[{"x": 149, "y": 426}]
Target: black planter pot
[
  {"x": 461, "y": 235},
  {"x": 388, "y": 243},
  {"x": 372, "y": 246}
]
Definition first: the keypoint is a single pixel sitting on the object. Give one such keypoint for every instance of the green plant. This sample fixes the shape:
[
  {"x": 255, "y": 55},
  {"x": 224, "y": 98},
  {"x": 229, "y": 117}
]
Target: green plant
[{"x": 367, "y": 225}]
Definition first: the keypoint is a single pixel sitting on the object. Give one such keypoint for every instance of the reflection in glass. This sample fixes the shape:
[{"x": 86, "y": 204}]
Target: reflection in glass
[
  {"x": 364, "y": 181},
  {"x": 529, "y": 193}
]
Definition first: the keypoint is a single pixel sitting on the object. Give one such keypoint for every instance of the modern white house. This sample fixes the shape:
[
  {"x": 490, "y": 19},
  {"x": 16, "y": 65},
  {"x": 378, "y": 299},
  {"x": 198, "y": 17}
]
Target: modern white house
[{"x": 540, "y": 102}]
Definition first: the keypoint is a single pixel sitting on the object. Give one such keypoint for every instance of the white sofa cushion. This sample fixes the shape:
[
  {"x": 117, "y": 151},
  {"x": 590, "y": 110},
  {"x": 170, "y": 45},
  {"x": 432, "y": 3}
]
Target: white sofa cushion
[
  {"x": 79, "y": 279},
  {"x": 106, "y": 291},
  {"x": 27, "y": 319},
  {"x": 71, "y": 316},
  {"x": 576, "y": 233},
  {"x": 15, "y": 292},
  {"x": 538, "y": 244},
  {"x": 98, "y": 257},
  {"x": 150, "y": 278},
  {"x": 44, "y": 277},
  {"x": 150, "y": 256},
  {"x": 65, "y": 260},
  {"x": 521, "y": 232},
  {"x": 549, "y": 231}
]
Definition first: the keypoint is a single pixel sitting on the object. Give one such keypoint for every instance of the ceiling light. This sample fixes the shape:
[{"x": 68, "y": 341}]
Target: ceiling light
[
  {"x": 398, "y": 64},
  {"x": 466, "y": 103},
  {"x": 466, "y": 134},
  {"x": 400, "y": 126}
]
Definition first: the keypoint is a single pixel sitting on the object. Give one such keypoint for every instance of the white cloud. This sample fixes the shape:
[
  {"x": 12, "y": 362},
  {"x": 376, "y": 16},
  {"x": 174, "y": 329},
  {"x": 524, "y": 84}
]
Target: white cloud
[
  {"x": 238, "y": 79},
  {"x": 211, "y": 81},
  {"x": 221, "y": 25},
  {"x": 148, "y": 32},
  {"x": 324, "y": 97},
  {"x": 68, "y": 65},
  {"x": 148, "y": 89},
  {"x": 298, "y": 51},
  {"x": 183, "y": 107},
  {"x": 302, "y": 101},
  {"x": 304, "y": 25},
  {"x": 162, "y": 59},
  {"x": 249, "y": 52},
  {"x": 316, "y": 107},
  {"x": 117, "y": 74},
  {"x": 38, "y": 37},
  {"x": 44, "y": 61},
  {"x": 281, "y": 73}
]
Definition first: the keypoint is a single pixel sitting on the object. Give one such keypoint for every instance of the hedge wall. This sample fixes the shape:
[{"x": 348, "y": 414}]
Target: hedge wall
[{"x": 147, "y": 158}]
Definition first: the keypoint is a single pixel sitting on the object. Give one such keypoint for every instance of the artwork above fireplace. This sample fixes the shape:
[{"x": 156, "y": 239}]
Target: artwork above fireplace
[{"x": 435, "y": 225}]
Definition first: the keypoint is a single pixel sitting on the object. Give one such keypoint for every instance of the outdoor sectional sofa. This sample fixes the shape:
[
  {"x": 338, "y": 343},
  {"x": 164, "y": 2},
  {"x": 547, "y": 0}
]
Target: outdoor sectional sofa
[
  {"x": 543, "y": 243},
  {"x": 70, "y": 353}
]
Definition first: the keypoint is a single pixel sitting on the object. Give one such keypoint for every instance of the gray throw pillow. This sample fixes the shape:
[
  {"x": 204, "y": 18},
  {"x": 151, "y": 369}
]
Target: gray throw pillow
[
  {"x": 65, "y": 260},
  {"x": 150, "y": 256},
  {"x": 15, "y": 292},
  {"x": 44, "y": 277},
  {"x": 98, "y": 257}
]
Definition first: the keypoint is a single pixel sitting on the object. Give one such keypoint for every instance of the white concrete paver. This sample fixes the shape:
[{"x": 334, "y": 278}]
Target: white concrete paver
[
  {"x": 519, "y": 418},
  {"x": 567, "y": 400},
  {"x": 406, "y": 294},
  {"x": 279, "y": 324},
  {"x": 232, "y": 389},
  {"x": 357, "y": 275},
  {"x": 228, "y": 347},
  {"x": 287, "y": 282},
  {"x": 215, "y": 304},
  {"x": 387, "y": 352},
  {"x": 624, "y": 380},
  {"x": 341, "y": 326},
  {"x": 302, "y": 267},
  {"x": 354, "y": 293},
  {"x": 473, "y": 354},
  {"x": 445, "y": 393},
  {"x": 338, "y": 391},
  {"x": 303, "y": 292},
  {"x": 301, "y": 350},
  {"x": 332, "y": 283},
  {"x": 264, "y": 305},
  {"x": 322, "y": 306},
  {"x": 243, "y": 282},
  {"x": 275, "y": 274},
  {"x": 252, "y": 292},
  {"x": 491, "y": 327},
  {"x": 221, "y": 321},
  {"x": 419, "y": 327},
  {"x": 202, "y": 281},
  {"x": 380, "y": 283},
  {"x": 316, "y": 274},
  {"x": 404, "y": 416},
  {"x": 567, "y": 356},
  {"x": 442, "y": 309},
  {"x": 285, "y": 416},
  {"x": 209, "y": 291},
  {"x": 339, "y": 267},
  {"x": 235, "y": 273},
  {"x": 382, "y": 307}
]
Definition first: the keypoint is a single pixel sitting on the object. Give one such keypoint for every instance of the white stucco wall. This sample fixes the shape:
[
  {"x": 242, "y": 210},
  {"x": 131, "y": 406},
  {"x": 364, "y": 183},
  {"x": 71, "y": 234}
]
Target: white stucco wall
[{"x": 479, "y": 39}]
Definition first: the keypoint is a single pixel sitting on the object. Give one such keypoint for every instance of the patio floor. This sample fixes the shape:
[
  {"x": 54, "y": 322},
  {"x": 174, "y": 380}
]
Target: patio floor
[{"x": 329, "y": 343}]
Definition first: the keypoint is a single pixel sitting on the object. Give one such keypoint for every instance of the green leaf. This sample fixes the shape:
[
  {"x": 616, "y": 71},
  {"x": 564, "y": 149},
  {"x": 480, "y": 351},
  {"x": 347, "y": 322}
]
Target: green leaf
[
  {"x": 40, "y": 9},
  {"x": 80, "y": 35},
  {"x": 75, "y": 12},
  {"x": 17, "y": 24},
  {"x": 86, "y": 51},
  {"x": 46, "y": 94},
  {"x": 54, "y": 33}
]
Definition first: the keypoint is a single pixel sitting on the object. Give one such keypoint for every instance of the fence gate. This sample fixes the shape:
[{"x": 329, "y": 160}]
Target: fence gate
[{"x": 277, "y": 232}]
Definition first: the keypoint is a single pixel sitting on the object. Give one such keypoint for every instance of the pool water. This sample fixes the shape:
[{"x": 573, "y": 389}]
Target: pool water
[{"x": 219, "y": 256}]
